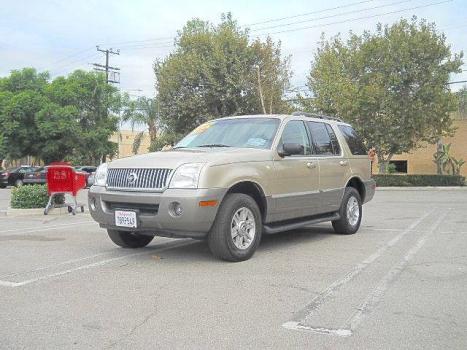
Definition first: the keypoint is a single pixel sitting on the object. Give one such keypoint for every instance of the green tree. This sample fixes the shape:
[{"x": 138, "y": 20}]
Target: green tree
[
  {"x": 213, "y": 73},
  {"x": 96, "y": 105},
  {"x": 143, "y": 113},
  {"x": 391, "y": 85},
  {"x": 71, "y": 117}
]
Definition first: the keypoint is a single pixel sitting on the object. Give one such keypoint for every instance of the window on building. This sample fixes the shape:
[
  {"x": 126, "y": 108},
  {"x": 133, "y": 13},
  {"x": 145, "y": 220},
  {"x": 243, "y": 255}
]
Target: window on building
[{"x": 400, "y": 166}]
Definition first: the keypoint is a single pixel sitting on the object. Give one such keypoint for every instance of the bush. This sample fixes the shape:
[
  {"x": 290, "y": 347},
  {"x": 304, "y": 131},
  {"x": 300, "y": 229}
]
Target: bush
[
  {"x": 33, "y": 196},
  {"x": 385, "y": 180}
]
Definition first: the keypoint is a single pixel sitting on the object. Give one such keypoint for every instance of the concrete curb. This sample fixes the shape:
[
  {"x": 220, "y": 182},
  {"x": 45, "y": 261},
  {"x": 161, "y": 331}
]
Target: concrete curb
[
  {"x": 39, "y": 212},
  {"x": 425, "y": 188}
]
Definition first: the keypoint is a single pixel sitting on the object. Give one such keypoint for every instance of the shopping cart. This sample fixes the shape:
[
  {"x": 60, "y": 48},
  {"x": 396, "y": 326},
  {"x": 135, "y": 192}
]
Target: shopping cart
[{"x": 63, "y": 179}]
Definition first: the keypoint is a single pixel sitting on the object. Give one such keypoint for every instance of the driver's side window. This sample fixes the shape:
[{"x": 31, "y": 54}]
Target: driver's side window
[{"x": 295, "y": 132}]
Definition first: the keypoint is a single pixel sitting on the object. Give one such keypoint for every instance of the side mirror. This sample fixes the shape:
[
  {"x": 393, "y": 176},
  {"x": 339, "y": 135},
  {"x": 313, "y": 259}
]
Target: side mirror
[{"x": 290, "y": 149}]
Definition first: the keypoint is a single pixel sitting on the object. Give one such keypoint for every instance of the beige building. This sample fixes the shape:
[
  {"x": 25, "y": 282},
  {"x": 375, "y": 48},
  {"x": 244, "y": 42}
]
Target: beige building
[
  {"x": 125, "y": 138},
  {"x": 420, "y": 161}
]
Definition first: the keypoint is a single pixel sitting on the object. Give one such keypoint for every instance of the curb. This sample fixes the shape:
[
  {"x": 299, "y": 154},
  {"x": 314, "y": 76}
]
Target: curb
[
  {"x": 425, "y": 188},
  {"x": 39, "y": 212}
]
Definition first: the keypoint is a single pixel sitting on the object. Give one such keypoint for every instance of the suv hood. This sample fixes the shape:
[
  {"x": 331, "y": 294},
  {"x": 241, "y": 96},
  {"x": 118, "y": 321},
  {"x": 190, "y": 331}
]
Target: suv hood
[{"x": 174, "y": 158}]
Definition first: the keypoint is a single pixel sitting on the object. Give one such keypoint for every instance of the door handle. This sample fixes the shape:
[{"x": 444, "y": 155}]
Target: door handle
[
  {"x": 343, "y": 163},
  {"x": 311, "y": 165}
]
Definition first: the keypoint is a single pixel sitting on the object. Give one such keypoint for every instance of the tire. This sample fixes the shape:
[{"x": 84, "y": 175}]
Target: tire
[
  {"x": 19, "y": 183},
  {"x": 126, "y": 239},
  {"x": 2, "y": 186},
  {"x": 246, "y": 212},
  {"x": 348, "y": 224}
]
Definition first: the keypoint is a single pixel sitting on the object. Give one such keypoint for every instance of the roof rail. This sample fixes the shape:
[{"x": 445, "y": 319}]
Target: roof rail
[{"x": 314, "y": 115}]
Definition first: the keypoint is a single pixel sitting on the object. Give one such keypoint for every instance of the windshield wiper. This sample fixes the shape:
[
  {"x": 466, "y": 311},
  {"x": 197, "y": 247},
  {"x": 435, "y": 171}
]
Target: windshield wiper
[{"x": 214, "y": 145}]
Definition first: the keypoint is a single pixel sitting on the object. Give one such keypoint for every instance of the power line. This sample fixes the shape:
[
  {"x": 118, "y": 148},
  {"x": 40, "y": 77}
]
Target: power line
[
  {"x": 332, "y": 16},
  {"x": 307, "y": 13},
  {"x": 358, "y": 18}
]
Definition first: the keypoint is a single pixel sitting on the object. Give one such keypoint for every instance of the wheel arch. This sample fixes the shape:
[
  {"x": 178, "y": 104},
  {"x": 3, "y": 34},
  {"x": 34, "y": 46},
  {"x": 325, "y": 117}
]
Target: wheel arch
[
  {"x": 357, "y": 183},
  {"x": 254, "y": 190}
]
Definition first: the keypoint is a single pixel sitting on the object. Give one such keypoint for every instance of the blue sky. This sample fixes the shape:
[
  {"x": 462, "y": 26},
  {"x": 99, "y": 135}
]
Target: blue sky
[{"x": 60, "y": 36}]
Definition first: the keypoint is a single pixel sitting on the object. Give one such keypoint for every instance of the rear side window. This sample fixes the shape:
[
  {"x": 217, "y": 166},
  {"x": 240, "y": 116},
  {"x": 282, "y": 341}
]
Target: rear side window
[
  {"x": 324, "y": 139},
  {"x": 356, "y": 145}
]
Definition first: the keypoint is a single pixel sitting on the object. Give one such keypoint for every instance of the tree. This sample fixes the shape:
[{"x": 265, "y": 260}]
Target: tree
[
  {"x": 96, "y": 105},
  {"x": 391, "y": 85},
  {"x": 142, "y": 112},
  {"x": 69, "y": 118},
  {"x": 213, "y": 73}
]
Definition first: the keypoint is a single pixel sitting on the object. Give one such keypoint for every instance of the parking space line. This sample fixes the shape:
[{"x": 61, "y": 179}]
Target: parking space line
[
  {"x": 165, "y": 247},
  {"x": 298, "y": 322},
  {"x": 49, "y": 227},
  {"x": 376, "y": 295}
]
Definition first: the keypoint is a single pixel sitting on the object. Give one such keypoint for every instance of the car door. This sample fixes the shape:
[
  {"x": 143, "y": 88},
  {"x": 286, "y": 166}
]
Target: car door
[
  {"x": 334, "y": 168},
  {"x": 296, "y": 177}
]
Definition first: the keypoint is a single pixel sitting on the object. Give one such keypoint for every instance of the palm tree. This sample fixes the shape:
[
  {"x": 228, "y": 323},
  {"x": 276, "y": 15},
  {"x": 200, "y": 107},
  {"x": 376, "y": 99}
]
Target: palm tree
[{"x": 142, "y": 112}]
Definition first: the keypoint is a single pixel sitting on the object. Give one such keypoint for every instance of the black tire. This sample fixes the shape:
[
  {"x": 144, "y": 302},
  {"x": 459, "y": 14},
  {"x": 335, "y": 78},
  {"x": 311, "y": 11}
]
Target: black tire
[
  {"x": 2, "y": 186},
  {"x": 343, "y": 225},
  {"x": 220, "y": 240},
  {"x": 19, "y": 183},
  {"x": 126, "y": 239}
]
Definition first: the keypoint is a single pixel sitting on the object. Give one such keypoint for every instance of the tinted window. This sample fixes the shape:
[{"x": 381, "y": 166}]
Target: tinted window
[
  {"x": 321, "y": 140},
  {"x": 295, "y": 132},
  {"x": 353, "y": 140},
  {"x": 334, "y": 142}
]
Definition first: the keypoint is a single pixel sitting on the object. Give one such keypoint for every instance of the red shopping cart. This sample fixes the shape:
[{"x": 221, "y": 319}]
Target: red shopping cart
[{"x": 63, "y": 179}]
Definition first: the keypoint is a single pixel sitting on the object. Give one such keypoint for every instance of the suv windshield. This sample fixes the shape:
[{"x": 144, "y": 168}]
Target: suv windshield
[{"x": 238, "y": 132}]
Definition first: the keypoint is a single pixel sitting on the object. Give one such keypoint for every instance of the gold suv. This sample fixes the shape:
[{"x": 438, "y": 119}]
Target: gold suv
[{"x": 233, "y": 179}]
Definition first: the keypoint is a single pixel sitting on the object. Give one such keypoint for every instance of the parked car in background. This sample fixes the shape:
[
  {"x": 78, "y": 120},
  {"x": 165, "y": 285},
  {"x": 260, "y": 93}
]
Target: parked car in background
[
  {"x": 15, "y": 176},
  {"x": 38, "y": 176},
  {"x": 88, "y": 169}
]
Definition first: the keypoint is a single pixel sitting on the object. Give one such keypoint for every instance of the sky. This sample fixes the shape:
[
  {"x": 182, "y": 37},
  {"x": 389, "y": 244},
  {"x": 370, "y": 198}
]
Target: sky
[{"x": 61, "y": 36}]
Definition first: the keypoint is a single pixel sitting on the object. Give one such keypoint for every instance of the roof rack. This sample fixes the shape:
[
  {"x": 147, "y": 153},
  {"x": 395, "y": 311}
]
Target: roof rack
[{"x": 314, "y": 115}]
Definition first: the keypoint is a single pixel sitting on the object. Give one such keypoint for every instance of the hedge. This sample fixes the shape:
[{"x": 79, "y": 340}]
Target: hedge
[
  {"x": 387, "y": 180},
  {"x": 32, "y": 196}
]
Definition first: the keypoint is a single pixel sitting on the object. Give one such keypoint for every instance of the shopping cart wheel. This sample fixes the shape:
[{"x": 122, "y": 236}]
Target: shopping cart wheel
[
  {"x": 46, "y": 211},
  {"x": 70, "y": 209},
  {"x": 82, "y": 209}
]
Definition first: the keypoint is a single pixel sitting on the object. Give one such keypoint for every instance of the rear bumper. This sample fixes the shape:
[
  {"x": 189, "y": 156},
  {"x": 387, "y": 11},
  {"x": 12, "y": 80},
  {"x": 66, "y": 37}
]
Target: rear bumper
[
  {"x": 370, "y": 188},
  {"x": 153, "y": 212}
]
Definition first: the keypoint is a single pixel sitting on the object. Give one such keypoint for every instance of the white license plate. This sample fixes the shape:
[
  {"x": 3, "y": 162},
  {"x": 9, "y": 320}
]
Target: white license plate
[{"x": 125, "y": 218}]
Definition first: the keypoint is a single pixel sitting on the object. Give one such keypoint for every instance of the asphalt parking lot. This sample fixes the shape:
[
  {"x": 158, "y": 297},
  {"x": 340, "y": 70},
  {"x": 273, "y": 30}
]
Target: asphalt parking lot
[{"x": 399, "y": 283}]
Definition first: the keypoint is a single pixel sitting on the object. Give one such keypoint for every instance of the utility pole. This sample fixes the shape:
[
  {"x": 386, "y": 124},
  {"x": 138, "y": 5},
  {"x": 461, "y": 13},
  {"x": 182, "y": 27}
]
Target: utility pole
[{"x": 112, "y": 74}]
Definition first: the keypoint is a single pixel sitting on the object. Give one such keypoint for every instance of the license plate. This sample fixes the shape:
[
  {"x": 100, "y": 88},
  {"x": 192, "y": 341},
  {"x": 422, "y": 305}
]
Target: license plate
[{"x": 125, "y": 218}]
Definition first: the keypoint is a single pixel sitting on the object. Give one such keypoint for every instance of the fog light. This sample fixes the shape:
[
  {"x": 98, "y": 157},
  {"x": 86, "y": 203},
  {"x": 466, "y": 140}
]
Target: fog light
[{"x": 175, "y": 209}]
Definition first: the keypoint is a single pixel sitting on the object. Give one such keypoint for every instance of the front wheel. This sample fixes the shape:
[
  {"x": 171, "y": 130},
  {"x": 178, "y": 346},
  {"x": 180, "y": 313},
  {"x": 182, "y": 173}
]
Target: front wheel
[
  {"x": 236, "y": 232},
  {"x": 18, "y": 183},
  {"x": 126, "y": 239},
  {"x": 350, "y": 213}
]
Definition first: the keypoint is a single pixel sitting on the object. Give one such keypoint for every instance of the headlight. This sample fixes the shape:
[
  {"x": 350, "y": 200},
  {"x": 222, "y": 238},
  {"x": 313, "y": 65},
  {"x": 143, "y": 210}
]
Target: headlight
[
  {"x": 186, "y": 176},
  {"x": 101, "y": 175}
]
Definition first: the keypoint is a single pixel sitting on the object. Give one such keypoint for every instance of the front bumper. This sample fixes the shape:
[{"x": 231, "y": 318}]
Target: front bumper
[
  {"x": 153, "y": 210},
  {"x": 370, "y": 188}
]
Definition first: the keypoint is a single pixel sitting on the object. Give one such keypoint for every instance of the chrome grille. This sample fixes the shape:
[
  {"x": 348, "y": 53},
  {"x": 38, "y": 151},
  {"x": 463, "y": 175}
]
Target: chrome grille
[{"x": 146, "y": 179}]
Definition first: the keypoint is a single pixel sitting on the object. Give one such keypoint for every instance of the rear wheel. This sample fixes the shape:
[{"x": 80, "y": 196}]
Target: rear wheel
[
  {"x": 236, "y": 232},
  {"x": 350, "y": 213},
  {"x": 126, "y": 239}
]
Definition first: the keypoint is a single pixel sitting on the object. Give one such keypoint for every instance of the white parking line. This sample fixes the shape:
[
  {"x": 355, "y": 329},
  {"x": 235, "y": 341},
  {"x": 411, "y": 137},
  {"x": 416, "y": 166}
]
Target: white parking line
[
  {"x": 54, "y": 227},
  {"x": 298, "y": 322},
  {"x": 165, "y": 247},
  {"x": 377, "y": 293}
]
